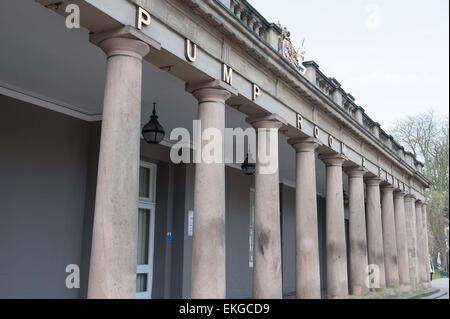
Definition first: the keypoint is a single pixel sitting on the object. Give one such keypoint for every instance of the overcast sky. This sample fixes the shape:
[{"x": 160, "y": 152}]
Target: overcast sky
[{"x": 392, "y": 56}]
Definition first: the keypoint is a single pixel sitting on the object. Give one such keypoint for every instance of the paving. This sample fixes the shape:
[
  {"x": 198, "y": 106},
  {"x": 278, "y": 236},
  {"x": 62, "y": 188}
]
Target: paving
[
  {"x": 442, "y": 285},
  {"x": 439, "y": 290}
]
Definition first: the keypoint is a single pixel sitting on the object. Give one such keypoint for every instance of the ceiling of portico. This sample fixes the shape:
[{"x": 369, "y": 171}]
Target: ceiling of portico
[{"x": 40, "y": 57}]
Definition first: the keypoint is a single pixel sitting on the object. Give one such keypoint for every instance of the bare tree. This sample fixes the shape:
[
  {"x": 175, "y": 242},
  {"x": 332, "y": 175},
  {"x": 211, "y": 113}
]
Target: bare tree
[
  {"x": 427, "y": 137},
  {"x": 437, "y": 221}
]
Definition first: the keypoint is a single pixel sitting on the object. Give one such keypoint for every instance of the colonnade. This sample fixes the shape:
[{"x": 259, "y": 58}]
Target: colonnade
[{"x": 387, "y": 227}]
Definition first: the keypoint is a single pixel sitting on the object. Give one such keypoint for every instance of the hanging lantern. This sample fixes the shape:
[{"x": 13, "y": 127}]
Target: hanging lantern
[
  {"x": 153, "y": 132},
  {"x": 248, "y": 168}
]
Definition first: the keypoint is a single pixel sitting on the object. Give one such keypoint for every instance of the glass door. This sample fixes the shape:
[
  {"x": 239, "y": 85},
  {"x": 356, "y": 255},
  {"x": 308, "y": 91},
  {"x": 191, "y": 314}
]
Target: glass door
[{"x": 146, "y": 230}]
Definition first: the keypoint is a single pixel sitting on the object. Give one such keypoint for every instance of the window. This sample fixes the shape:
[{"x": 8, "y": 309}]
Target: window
[{"x": 146, "y": 230}]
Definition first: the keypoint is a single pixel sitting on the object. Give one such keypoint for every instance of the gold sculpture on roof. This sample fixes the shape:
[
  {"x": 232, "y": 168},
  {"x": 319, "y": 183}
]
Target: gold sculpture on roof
[{"x": 287, "y": 49}]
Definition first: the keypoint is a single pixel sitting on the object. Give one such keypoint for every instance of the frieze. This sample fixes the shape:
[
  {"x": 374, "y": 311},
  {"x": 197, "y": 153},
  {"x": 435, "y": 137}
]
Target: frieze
[{"x": 293, "y": 56}]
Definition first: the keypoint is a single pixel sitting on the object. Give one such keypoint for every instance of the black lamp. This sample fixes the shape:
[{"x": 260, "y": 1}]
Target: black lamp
[
  {"x": 153, "y": 132},
  {"x": 346, "y": 197},
  {"x": 248, "y": 168}
]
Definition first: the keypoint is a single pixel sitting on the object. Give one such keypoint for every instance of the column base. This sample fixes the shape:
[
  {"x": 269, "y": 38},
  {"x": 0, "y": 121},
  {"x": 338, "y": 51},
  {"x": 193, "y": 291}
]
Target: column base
[
  {"x": 343, "y": 296},
  {"x": 381, "y": 289},
  {"x": 406, "y": 288},
  {"x": 360, "y": 291},
  {"x": 426, "y": 285},
  {"x": 357, "y": 290},
  {"x": 394, "y": 285}
]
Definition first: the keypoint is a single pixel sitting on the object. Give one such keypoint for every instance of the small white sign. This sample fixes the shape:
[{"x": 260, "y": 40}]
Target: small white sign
[{"x": 190, "y": 223}]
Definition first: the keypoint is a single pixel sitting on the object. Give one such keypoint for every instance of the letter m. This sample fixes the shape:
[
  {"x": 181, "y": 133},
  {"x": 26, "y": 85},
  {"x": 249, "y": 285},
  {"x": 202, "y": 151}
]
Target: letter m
[{"x": 227, "y": 74}]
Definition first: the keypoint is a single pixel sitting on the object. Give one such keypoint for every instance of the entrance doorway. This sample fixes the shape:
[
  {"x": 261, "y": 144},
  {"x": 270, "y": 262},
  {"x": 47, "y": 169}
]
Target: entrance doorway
[{"x": 146, "y": 230}]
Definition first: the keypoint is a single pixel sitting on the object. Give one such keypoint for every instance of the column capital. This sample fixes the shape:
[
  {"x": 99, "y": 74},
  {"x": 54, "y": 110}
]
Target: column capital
[
  {"x": 373, "y": 181},
  {"x": 419, "y": 203},
  {"x": 211, "y": 91},
  {"x": 356, "y": 171},
  {"x": 333, "y": 159},
  {"x": 387, "y": 189},
  {"x": 410, "y": 197},
  {"x": 125, "y": 41},
  {"x": 304, "y": 144},
  {"x": 267, "y": 121},
  {"x": 399, "y": 194}
]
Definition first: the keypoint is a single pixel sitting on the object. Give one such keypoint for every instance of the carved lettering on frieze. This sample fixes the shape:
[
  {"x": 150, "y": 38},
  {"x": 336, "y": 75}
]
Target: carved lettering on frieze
[
  {"x": 330, "y": 141},
  {"x": 299, "y": 121},
  {"x": 227, "y": 74},
  {"x": 190, "y": 51},
  {"x": 142, "y": 18},
  {"x": 316, "y": 132},
  {"x": 343, "y": 148},
  {"x": 256, "y": 92}
]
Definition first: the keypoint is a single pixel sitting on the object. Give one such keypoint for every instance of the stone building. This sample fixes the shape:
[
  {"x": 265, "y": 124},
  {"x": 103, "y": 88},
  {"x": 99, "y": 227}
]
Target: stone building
[{"x": 81, "y": 189}]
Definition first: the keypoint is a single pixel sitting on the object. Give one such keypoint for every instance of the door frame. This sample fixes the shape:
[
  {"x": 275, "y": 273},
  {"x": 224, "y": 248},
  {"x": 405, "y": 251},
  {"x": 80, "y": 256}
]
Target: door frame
[{"x": 150, "y": 205}]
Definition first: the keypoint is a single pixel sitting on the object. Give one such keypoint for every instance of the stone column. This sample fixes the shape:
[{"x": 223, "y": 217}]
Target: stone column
[
  {"x": 421, "y": 267},
  {"x": 402, "y": 243},
  {"x": 112, "y": 272},
  {"x": 357, "y": 232},
  {"x": 374, "y": 228},
  {"x": 425, "y": 232},
  {"x": 267, "y": 280},
  {"x": 389, "y": 237},
  {"x": 208, "y": 242},
  {"x": 337, "y": 282},
  {"x": 410, "y": 214},
  {"x": 307, "y": 237},
  {"x": 423, "y": 275}
]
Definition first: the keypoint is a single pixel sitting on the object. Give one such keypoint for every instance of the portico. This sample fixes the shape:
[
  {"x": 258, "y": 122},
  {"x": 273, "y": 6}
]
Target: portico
[{"x": 217, "y": 233}]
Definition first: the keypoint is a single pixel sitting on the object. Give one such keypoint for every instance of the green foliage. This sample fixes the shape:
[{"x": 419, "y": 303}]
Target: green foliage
[{"x": 437, "y": 274}]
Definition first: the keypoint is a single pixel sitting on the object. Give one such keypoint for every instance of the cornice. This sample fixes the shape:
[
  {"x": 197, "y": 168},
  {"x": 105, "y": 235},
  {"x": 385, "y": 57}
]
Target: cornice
[
  {"x": 310, "y": 91},
  {"x": 236, "y": 31}
]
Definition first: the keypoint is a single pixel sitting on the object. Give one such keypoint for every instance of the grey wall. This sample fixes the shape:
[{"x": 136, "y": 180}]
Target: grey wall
[
  {"x": 170, "y": 191},
  {"x": 322, "y": 215},
  {"x": 43, "y": 172},
  {"x": 288, "y": 239},
  {"x": 160, "y": 248},
  {"x": 176, "y": 281},
  {"x": 48, "y": 171},
  {"x": 321, "y": 177},
  {"x": 187, "y": 247},
  {"x": 287, "y": 198},
  {"x": 91, "y": 184},
  {"x": 238, "y": 273}
]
